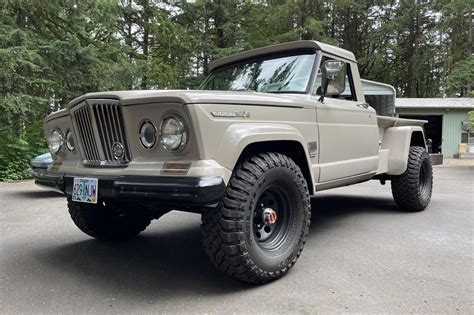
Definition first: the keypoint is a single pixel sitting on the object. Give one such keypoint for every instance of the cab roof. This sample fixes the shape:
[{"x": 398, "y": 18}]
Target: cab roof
[{"x": 278, "y": 48}]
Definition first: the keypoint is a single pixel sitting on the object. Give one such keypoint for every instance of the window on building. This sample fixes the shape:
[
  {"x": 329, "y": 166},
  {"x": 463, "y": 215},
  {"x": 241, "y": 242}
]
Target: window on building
[{"x": 467, "y": 137}]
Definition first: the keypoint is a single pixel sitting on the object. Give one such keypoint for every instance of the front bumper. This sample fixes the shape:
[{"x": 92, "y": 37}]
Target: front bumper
[
  {"x": 44, "y": 179},
  {"x": 168, "y": 190}
]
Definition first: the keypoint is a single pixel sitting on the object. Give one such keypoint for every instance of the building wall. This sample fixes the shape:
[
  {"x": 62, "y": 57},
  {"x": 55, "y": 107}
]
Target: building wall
[{"x": 452, "y": 130}]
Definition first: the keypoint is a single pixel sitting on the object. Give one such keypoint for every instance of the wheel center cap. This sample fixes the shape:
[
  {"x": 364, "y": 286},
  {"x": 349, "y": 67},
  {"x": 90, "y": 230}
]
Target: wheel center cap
[{"x": 269, "y": 216}]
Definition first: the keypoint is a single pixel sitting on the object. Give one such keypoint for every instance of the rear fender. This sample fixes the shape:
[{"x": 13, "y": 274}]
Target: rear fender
[{"x": 398, "y": 140}]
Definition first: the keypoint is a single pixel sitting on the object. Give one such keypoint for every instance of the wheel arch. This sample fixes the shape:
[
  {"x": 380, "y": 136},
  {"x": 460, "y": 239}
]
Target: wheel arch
[
  {"x": 242, "y": 140},
  {"x": 290, "y": 148},
  {"x": 417, "y": 139}
]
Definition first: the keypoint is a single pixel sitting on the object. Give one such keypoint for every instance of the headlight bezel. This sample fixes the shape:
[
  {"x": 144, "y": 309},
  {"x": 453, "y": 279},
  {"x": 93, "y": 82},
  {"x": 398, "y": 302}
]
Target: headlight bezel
[
  {"x": 70, "y": 146},
  {"x": 60, "y": 142},
  {"x": 184, "y": 138},
  {"x": 141, "y": 134}
]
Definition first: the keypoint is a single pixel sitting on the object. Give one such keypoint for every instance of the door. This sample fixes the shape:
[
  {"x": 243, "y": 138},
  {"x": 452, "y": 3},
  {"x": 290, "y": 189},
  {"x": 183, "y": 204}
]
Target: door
[{"x": 348, "y": 133}]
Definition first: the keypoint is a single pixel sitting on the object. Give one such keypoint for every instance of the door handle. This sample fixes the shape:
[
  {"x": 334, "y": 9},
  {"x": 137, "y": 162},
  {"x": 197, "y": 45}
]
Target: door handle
[{"x": 364, "y": 105}]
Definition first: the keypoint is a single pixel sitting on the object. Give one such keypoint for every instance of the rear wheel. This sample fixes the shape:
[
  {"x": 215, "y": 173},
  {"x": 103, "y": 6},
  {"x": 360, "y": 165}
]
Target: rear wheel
[
  {"x": 108, "y": 222},
  {"x": 412, "y": 189},
  {"x": 260, "y": 229}
]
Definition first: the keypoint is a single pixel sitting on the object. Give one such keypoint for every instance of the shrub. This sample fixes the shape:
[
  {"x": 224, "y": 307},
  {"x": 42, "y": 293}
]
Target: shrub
[{"x": 17, "y": 151}]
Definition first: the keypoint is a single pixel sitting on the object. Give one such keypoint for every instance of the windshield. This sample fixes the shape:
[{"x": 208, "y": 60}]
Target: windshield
[{"x": 280, "y": 74}]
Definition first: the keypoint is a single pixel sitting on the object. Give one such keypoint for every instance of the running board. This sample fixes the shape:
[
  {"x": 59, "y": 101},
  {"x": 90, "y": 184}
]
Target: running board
[{"x": 346, "y": 181}]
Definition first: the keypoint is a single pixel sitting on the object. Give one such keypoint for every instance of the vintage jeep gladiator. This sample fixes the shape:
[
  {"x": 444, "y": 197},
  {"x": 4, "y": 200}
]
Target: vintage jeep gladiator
[{"x": 266, "y": 130}]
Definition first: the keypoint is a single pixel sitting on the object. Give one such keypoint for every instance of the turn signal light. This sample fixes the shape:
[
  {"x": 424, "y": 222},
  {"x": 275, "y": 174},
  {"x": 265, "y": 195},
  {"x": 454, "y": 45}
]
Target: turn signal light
[{"x": 175, "y": 168}]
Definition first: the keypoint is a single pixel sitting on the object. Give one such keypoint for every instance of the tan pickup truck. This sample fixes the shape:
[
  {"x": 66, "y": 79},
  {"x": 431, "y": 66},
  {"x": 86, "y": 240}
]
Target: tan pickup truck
[{"x": 266, "y": 130}]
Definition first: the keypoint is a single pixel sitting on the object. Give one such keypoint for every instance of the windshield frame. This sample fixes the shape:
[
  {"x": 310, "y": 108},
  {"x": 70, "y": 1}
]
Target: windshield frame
[{"x": 309, "y": 85}]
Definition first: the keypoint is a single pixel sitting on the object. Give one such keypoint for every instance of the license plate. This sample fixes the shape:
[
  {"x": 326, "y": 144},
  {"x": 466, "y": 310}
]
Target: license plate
[{"x": 85, "y": 189}]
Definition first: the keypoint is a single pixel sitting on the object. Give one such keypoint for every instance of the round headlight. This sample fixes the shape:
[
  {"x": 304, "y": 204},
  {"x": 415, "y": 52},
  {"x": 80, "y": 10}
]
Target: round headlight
[
  {"x": 173, "y": 134},
  {"x": 147, "y": 134},
  {"x": 70, "y": 143},
  {"x": 55, "y": 141}
]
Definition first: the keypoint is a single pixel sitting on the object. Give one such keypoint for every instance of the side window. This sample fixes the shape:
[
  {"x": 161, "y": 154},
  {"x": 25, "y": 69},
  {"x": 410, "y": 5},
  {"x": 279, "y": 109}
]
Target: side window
[{"x": 347, "y": 94}]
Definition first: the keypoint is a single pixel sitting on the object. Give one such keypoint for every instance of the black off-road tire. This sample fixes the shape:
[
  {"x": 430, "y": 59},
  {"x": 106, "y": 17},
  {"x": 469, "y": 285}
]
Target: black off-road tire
[
  {"x": 412, "y": 189},
  {"x": 107, "y": 222},
  {"x": 230, "y": 232}
]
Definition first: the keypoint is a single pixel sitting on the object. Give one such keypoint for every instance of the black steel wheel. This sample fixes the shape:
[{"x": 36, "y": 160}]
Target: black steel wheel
[
  {"x": 412, "y": 189},
  {"x": 259, "y": 230},
  {"x": 271, "y": 218}
]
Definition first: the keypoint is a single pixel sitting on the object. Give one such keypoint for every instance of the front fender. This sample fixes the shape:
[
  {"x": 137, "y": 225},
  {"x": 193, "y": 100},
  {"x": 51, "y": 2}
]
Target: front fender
[
  {"x": 238, "y": 136},
  {"x": 398, "y": 141}
]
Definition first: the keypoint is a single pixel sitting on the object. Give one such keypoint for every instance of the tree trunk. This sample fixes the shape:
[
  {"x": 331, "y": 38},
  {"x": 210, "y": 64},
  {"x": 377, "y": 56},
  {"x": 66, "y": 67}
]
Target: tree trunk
[
  {"x": 205, "y": 52},
  {"x": 414, "y": 43},
  {"x": 146, "y": 42}
]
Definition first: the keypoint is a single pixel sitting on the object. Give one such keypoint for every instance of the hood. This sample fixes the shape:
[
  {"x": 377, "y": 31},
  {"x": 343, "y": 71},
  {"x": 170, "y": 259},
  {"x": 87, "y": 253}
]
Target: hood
[{"x": 200, "y": 97}]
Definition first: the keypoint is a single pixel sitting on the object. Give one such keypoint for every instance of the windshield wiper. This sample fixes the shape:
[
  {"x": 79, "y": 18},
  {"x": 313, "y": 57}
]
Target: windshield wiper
[{"x": 281, "y": 87}]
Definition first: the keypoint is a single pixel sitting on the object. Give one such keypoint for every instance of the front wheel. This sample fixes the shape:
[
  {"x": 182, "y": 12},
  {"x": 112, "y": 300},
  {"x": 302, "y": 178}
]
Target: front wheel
[
  {"x": 412, "y": 189},
  {"x": 259, "y": 230}
]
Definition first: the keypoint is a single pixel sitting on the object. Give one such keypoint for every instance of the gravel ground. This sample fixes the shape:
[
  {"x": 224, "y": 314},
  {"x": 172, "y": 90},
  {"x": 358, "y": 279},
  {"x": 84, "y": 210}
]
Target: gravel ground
[{"x": 362, "y": 255}]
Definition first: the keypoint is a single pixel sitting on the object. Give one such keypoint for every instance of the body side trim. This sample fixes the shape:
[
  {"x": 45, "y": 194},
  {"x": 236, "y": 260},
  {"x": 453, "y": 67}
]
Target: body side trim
[{"x": 344, "y": 181}]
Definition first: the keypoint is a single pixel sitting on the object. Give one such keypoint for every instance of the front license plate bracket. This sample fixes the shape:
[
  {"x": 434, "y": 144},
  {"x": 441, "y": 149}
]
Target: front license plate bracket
[{"x": 85, "y": 190}]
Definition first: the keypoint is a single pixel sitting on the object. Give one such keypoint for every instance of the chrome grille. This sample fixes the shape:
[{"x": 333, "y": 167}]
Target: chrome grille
[
  {"x": 86, "y": 134},
  {"x": 99, "y": 125}
]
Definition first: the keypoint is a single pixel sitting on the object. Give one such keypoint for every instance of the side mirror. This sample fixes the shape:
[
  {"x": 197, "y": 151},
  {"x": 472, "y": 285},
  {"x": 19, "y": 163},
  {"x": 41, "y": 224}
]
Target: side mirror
[
  {"x": 332, "y": 68},
  {"x": 333, "y": 78}
]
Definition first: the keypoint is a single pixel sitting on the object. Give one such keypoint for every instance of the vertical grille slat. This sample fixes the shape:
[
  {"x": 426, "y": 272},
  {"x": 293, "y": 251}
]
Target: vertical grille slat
[
  {"x": 112, "y": 123},
  {"x": 103, "y": 138},
  {"x": 87, "y": 142},
  {"x": 99, "y": 126},
  {"x": 80, "y": 128},
  {"x": 93, "y": 143},
  {"x": 105, "y": 131},
  {"x": 108, "y": 119},
  {"x": 117, "y": 118},
  {"x": 94, "y": 112}
]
